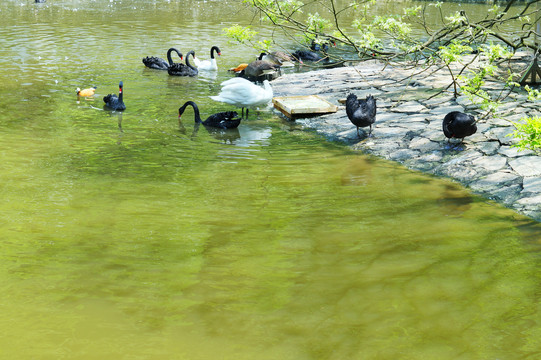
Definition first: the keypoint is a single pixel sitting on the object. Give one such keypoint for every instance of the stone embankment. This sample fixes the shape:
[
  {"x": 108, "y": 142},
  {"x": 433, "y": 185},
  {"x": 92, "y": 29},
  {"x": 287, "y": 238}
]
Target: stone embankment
[{"x": 408, "y": 129}]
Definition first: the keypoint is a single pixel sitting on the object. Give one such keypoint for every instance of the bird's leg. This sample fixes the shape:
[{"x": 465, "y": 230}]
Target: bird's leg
[
  {"x": 358, "y": 135},
  {"x": 247, "y": 109}
]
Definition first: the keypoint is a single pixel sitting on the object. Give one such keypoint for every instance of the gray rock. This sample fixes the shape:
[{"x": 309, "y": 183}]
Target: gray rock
[
  {"x": 438, "y": 100},
  {"x": 462, "y": 173},
  {"x": 530, "y": 202},
  {"x": 491, "y": 163},
  {"x": 506, "y": 194},
  {"x": 390, "y": 116},
  {"x": 424, "y": 145},
  {"x": 489, "y": 147},
  {"x": 514, "y": 152},
  {"x": 411, "y": 107},
  {"x": 531, "y": 185},
  {"x": 501, "y": 134},
  {"x": 403, "y": 154},
  {"x": 495, "y": 181},
  {"x": 445, "y": 110},
  {"x": 527, "y": 165}
]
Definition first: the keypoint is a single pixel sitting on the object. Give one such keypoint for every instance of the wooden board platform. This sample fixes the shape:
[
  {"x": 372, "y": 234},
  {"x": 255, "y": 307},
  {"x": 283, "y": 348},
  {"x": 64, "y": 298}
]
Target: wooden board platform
[{"x": 298, "y": 106}]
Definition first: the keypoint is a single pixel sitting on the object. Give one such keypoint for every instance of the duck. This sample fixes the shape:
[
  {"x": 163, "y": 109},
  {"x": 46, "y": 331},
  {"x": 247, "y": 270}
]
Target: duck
[
  {"x": 221, "y": 120},
  {"x": 239, "y": 68},
  {"x": 259, "y": 69},
  {"x": 86, "y": 92},
  {"x": 157, "y": 63},
  {"x": 113, "y": 102},
  {"x": 361, "y": 112},
  {"x": 208, "y": 64},
  {"x": 280, "y": 58},
  {"x": 458, "y": 125},
  {"x": 183, "y": 69},
  {"x": 244, "y": 94}
]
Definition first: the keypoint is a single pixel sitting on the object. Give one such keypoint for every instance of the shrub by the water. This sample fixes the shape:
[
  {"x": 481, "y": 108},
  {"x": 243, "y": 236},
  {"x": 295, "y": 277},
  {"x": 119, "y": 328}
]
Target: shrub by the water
[{"x": 528, "y": 132}]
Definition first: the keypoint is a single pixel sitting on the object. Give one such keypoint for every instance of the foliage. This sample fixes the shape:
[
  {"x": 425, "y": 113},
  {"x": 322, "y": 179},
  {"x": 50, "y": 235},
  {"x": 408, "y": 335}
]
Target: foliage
[
  {"x": 241, "y": 34},
  {"x": 533, "y": 94},
  {"x": 471, "y": 51},
  {"x": 528, "y": 132}
]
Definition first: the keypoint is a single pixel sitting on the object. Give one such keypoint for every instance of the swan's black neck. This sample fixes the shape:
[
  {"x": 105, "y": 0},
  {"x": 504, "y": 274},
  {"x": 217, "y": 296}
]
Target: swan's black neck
[
  {"x": 169, "y": 58},
  {"x": 120, "y": 92},
  {"x": 191, "y": 52},
  {"x": 197, "y": 117},
  {"x": 213, "y": 49},
  {"x": 261, "y": 56}
]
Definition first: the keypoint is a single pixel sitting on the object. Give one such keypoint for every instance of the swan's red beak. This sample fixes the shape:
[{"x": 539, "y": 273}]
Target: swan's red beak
[{"x": 219, "y": 54}]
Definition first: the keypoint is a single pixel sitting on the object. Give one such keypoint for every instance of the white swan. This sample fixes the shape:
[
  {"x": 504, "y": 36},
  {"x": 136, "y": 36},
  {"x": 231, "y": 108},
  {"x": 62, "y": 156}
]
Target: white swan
[
  {"x": 244, "y": 94},
  {"x": 208, "y": 64}
]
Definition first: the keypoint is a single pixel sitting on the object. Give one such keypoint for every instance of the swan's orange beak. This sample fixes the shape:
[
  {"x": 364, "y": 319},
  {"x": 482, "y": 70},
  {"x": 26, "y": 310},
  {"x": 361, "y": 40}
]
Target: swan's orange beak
[{"x": 219, "y": 54}]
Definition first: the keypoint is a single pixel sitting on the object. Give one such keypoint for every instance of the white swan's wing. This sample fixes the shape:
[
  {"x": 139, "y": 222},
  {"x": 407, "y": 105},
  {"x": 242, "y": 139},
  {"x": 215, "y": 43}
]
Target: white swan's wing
[
  {"x": 208, "y": 65},
  {"x": 236, "y": 80},
  {"x": 244, "y": 93}
]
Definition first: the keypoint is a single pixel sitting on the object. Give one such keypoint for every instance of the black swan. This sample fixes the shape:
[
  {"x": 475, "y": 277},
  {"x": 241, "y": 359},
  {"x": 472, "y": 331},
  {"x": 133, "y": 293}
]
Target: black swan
[
  {"x": 307, "y": 55},
  {"x": 208, "y": 64},
  {"x": 458, "y": 125},
  {"x": 312, "y": 55},
  {"x": 222, "y": 120},
  {"x": 184, "y": 69},
  {"x": 157, "y": 63},
  {"x": 361, "y": 112},
  {"x": 113, "y": 102}
]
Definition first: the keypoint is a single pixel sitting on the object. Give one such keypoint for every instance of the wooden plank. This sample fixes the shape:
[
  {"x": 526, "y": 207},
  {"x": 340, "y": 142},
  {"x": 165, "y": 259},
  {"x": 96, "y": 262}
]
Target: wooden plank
[{"x": 303, "y": 105}]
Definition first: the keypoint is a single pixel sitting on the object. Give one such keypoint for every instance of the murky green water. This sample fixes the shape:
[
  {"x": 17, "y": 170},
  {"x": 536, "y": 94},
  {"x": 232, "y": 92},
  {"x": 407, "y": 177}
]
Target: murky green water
[{"x": 151, "y": 241}]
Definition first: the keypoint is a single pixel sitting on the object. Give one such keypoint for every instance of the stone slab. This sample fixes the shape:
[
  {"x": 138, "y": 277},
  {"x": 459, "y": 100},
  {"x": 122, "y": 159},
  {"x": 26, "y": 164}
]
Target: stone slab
[{"x": 527, "y": 165}]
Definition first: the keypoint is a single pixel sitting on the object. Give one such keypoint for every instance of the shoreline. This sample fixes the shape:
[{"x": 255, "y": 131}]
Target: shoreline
[{"x": 408, "y": 129}]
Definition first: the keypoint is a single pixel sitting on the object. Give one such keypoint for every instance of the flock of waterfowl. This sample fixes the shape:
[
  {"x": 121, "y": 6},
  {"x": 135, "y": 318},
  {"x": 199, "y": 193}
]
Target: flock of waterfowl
[{"x": 242, "y": 92}]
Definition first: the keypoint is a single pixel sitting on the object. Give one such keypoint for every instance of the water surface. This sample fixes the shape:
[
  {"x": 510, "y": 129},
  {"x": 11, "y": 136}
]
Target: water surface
[{"x": 129, "y": 236}]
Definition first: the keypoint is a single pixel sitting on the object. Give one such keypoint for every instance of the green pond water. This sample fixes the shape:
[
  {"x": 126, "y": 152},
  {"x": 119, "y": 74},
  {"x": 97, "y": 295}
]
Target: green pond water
[{"x": 129, "y": 236}]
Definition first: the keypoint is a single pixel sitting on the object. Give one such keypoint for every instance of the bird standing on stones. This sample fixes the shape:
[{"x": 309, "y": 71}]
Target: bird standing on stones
[
  {"x": 458, "y": 125},
  {"x": 113, "y": 102},
  {"x": 361, "y": 112}
]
